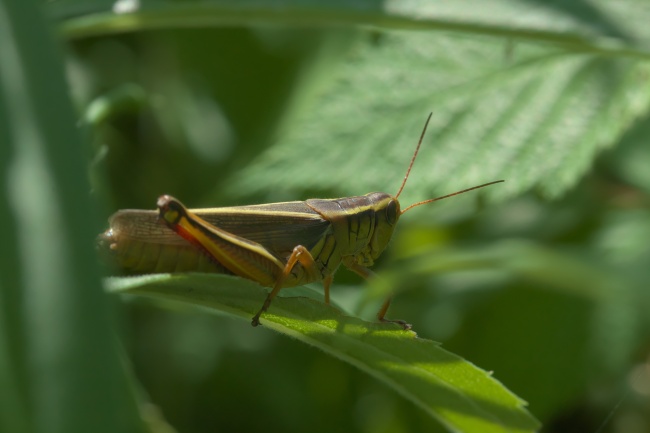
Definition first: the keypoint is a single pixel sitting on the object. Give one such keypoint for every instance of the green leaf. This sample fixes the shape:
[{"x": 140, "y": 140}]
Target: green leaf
[
  {"x": 457, "y": 393},
  {"x": 533, "y": 104},
  {"x": 572, "y": 22},
  {"x": 533, "y": 115}
]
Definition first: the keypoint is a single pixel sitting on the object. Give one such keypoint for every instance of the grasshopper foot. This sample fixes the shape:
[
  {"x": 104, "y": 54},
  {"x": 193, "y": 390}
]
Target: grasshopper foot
[
  {"x": 403, "y": 324},
  {"x": 256, "y": 320}
]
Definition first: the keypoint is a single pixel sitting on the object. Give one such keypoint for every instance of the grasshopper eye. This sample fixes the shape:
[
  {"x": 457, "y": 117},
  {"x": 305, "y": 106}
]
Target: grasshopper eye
[{"x": 391, "y": 212}]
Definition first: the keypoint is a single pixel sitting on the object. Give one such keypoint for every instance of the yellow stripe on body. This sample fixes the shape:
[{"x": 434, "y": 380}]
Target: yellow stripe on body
[{"x": 240, "y": 256}]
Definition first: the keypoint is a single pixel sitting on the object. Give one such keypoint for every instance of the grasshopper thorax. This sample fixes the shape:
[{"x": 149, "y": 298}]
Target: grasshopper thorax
[{"x": 387, "y": 211}]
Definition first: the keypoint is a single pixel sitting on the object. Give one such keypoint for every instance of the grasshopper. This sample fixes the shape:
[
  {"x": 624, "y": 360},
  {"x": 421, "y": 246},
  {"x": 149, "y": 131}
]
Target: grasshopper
[{"x": 276, "y": 245}]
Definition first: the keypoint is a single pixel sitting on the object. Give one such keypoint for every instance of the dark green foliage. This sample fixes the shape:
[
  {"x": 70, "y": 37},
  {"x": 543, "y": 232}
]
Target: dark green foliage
[{"x": 542, "y": 279}]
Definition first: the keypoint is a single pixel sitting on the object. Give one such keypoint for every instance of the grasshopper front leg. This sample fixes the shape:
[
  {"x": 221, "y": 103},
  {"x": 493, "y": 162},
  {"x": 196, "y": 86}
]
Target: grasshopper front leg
[
  {"x": 368, "y": 274},
  {"x": 240, "y": 256}
]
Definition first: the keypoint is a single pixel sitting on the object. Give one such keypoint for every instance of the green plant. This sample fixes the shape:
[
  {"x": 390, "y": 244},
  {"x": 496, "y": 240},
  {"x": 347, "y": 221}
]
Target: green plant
[{"x": 231, "y": 102}]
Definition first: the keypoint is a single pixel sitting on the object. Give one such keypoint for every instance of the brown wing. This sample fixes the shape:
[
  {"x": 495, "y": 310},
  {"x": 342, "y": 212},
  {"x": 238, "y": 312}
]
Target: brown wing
[
  {"x": 279, "y": 227},
  {"x": 139, "y": 243}
]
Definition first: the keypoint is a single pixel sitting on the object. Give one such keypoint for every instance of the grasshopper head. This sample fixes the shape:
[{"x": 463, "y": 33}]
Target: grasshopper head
[{"x": 387, "y": 210}]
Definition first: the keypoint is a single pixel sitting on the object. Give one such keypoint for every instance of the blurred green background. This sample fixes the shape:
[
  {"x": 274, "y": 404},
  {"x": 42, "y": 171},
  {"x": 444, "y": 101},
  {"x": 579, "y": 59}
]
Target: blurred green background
[{"x": 542, "y": 279}]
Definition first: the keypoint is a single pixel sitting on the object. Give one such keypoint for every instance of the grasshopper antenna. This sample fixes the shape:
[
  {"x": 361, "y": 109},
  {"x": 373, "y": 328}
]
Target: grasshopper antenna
[
  {"x": 417, "y": 149},
  {"x": 408, "y": 171},
  {"x": 450, "y": 195}
]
